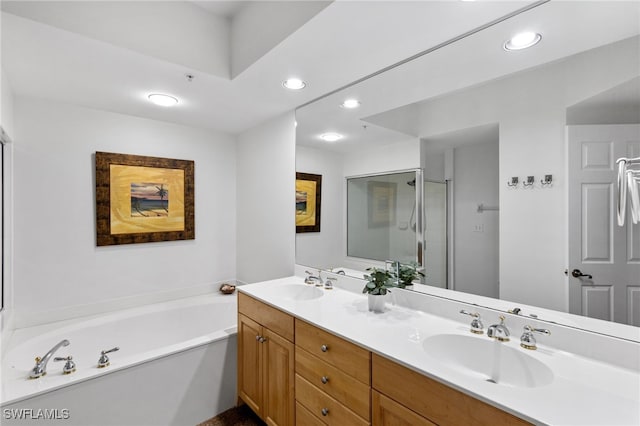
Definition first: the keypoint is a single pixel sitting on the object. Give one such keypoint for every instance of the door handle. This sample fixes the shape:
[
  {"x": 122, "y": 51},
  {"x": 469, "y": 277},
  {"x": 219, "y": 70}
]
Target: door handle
[{"x": 577, "y": 273}]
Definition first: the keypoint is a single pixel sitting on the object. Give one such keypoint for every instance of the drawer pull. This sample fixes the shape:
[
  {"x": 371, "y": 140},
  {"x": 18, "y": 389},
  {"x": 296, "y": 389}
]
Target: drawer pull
[
  {"x": 324, "y": 348},
  {"x": 263, "y": 339},
  {"x": 258, "y": 337},
  {"x": 325, "y": 411},
  {"x": 324, "y": 379}
]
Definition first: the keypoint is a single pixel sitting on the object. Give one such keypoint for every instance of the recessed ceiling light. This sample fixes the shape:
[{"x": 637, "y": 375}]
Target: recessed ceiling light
[
  {"x": 163, "y": 100},
  {"x": 331, "y": 137},
  {"x": 350, "y": 104},
  {"x": 522, "y": 40},
  {"x": 294, "y": 84}
]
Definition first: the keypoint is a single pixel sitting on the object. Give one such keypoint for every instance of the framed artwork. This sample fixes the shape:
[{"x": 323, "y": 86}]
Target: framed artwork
[
  {"x": 382, "y": 203},
  {"x": 308, "y": 197},
  {"x": 143, "y": 199}
]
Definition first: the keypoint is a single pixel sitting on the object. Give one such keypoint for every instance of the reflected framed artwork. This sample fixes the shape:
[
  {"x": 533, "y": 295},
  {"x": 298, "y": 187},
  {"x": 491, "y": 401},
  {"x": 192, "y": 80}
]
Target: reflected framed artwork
[
  {"x": 143, "y": 199},
  {"x": 382, "y": 203},
  {"x": 308, "y": 197}
]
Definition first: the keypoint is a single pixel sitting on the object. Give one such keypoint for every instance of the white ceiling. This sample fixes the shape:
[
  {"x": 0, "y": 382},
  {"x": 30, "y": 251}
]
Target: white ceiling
[
  {"x": 96, "y": 55},
  {"x": 390, "y": 101}
]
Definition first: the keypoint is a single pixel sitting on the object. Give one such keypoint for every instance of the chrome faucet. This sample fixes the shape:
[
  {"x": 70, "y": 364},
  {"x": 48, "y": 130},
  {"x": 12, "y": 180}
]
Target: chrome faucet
[
  {"x": 500, "y": 332},
  {"x": 528, "y": 340},
  {"x": 476, "y": 323},
  {"x": 40, "y": 368},
  {"x": 312, "y": 279}
]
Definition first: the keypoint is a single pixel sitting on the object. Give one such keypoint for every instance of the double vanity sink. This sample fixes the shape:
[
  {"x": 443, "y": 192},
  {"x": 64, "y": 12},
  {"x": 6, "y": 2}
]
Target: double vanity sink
[{"x": 545, "y": 386}]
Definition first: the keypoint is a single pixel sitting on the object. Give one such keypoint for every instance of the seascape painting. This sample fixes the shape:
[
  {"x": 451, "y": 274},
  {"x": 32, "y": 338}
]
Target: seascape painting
[
  {"x": 308, "y": 195},
  {"x": 301, "y": 202},
  {"x": 149, "y": 200}
]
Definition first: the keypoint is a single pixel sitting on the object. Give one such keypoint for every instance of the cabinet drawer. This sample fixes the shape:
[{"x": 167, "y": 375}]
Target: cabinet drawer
[
  {"x": 270, "y": 317},
  {"x": 437, "y": 402},
  {"x": 305, "y": 418},
  {"x": 344, "y": 355},
  {"x": 346, "y": 389},
  {"x": 315, "y": 401},
  {"x": 387, "y": 412}
]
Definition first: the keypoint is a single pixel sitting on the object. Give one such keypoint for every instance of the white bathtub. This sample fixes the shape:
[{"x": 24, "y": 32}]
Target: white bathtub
[{"x": 176, "y": 365}]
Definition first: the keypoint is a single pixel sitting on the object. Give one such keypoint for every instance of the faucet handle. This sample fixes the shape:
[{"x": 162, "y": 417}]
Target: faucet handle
[
  {"x": 476, "y": 324},
  {"x": 69, "y": 366},
  {"x": 528, "y": 340},
  {"x": 328, "y": 283},
  {"x": 103, "y": 361}
]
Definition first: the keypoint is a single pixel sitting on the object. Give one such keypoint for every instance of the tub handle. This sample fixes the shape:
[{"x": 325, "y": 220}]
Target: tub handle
[
  {"x": 104, "y": 359},
  {"x": 69, "y": 365}
]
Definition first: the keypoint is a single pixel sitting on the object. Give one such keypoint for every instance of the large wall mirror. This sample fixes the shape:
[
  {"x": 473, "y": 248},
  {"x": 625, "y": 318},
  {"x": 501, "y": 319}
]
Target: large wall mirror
[{"x": 517, "y": 152}]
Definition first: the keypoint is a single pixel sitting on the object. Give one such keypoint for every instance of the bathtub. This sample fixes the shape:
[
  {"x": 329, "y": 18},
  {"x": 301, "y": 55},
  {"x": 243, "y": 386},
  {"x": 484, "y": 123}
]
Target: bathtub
[{"x": 176, "y": 365}]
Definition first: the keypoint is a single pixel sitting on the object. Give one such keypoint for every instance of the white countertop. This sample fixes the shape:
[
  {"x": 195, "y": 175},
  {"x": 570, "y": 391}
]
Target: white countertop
[{"x": 583, "y": 391}]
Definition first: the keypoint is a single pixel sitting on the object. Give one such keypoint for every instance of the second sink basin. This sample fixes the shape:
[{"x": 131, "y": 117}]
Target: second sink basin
[
  {"x": 298, "y": 292},
  {"x": 488, "y": 360}
]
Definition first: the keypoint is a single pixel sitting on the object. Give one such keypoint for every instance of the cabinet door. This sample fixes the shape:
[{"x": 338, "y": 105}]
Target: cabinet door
[
  {"x": 279, "y": 398},
  {"x": 250, "y": 363},
  {"x": 387, "y": 412}
]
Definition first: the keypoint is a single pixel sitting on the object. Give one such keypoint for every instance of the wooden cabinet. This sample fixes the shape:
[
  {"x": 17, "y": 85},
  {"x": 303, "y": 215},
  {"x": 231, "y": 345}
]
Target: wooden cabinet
[
  {"x": 292, "y": 372},
  {"x": 429, "y": 399},
  {"x": 387, "y": 412},
  {"x": 333, "y": 378},
  {"x": 266, "y": 361}
]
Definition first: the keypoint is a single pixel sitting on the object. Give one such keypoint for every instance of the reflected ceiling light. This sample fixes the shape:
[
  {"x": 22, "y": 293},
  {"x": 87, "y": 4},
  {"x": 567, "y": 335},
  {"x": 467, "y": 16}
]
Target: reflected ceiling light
[
  {"x": 294, "y": 84},
  {"x": 350, "y": 104},
  {"x": 522, "y": 41},
  {"x": 163, "y": 100},
  {"x": 331, "y": 137}
]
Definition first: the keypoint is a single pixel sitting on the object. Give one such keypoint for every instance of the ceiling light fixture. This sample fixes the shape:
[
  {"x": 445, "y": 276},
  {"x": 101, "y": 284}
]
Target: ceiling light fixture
[
  {"x": 522, "y": 41},
  {"x": 331, "y": 137},
  {"x": 350, "y": 104},
  {"x": 294, "y": 84},
  {"x": 163, "y": 100}
]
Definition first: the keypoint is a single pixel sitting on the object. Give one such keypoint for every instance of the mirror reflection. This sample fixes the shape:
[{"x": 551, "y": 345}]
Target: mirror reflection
[
  {"x": 381, "y": 217},
  {"x": 517, "y": 152}
]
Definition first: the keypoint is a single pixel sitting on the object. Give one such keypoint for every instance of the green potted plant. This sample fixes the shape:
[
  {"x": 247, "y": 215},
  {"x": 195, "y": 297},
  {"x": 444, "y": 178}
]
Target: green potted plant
[
  {"x": 405, "y": 273},
  {"x": 378, "y": 283}
]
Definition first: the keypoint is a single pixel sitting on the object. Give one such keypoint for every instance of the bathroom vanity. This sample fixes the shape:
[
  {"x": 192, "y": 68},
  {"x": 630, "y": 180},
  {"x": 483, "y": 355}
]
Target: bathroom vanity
[{"x": 310, "y": 356}]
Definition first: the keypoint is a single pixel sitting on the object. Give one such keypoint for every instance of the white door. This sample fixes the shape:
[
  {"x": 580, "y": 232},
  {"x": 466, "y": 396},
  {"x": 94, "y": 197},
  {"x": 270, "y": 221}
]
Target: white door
[{"x": 597, "y": 245}]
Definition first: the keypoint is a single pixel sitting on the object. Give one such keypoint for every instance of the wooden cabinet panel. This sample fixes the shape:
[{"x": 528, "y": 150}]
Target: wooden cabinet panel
[
  {"x": 387, "y": 412},
  {"x": 279, "y": 402},
  {"x": 335, "y": 351},
  {"x": 340, "y": 385},
  {"x": 249, "y": 363},
  {"x": 437, "y": 402},
  {"x": 305, "y": 418},
  {"x": 316, "y": 401},
  {"x": 266, "y": 315}
]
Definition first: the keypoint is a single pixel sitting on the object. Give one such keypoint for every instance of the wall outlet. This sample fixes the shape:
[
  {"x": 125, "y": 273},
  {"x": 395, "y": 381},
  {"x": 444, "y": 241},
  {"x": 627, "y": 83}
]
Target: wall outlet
[{"x": 479, "y": 228}]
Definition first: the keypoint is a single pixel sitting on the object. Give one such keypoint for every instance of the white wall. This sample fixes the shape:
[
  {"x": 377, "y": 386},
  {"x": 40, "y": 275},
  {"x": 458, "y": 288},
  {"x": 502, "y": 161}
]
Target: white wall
[
  {"x": 260, "y": 26},
  {"x": 475, "y": 181},
  {"x": 324, "y": 249},
  {"x": 530, "y": 108},
  {"x": 266, "y": 200},
  {"x": 397, "y": 156},
  {"x": 57, "y": 263}
]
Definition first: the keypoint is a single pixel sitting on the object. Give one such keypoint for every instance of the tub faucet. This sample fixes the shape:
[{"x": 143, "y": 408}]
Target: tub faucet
[
  {"x": 499, "y": 332},
  {"x": 40, "y": 368}
]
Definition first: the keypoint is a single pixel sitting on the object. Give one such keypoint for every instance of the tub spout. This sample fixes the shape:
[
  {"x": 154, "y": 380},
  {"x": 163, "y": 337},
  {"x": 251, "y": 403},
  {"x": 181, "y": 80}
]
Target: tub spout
[{"x": 40, "y": 368}]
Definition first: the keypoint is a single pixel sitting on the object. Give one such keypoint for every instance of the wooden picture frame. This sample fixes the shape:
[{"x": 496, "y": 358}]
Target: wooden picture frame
[
  {"x": 143, "y": 199},
  {"x": 381, "y": 203},
  {"x": 308, "y": 200}
]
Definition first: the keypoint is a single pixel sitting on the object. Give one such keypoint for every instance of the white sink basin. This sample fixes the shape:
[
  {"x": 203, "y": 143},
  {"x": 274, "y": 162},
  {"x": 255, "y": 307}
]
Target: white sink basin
[
  {"x": 488, "y": 360},
  {"x": 298, "y": 292}
]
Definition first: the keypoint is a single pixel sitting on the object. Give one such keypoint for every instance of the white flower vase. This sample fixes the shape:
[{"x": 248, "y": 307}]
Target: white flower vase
[{"x": 376, "y": 302}]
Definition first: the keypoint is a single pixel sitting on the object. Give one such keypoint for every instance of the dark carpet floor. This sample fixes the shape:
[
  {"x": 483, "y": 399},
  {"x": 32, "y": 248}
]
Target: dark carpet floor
[{"x": 237, "y": 416}]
